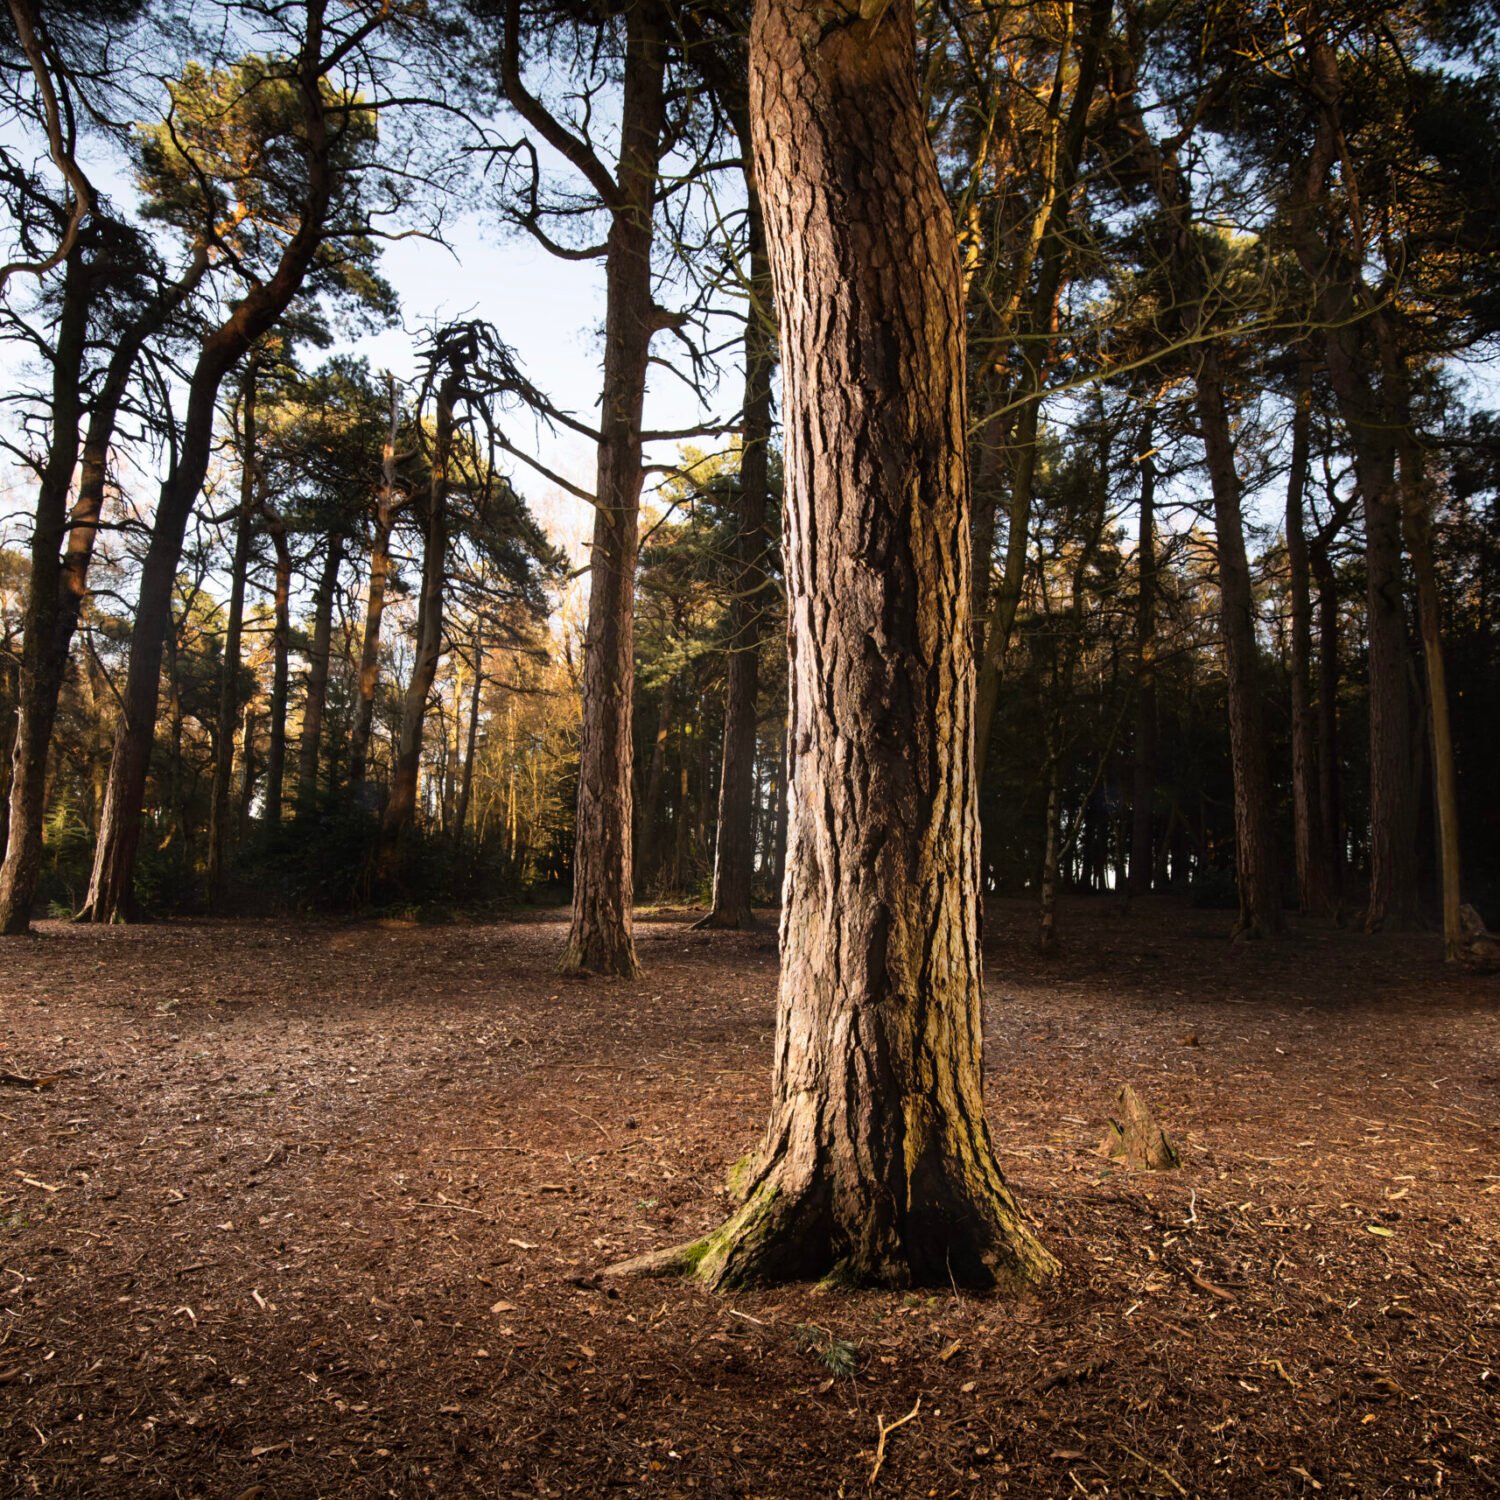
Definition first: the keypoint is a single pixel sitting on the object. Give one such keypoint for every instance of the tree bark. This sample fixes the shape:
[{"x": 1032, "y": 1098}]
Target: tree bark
[
  {"x": 734, "y": 844},
  {"x": 310, "y": 746},
  {"x": 876, "y": 1165},
  {"x": 229, "y": 704},
  {"x": 600, "y": 939},
  {"x": 466, "y": 786}
]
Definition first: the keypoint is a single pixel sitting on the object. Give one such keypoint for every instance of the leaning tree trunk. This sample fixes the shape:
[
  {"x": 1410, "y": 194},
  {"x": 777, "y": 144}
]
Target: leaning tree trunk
[
  {"x": 42, "y": 680},
  {"x": 1254, "y": 827},
  {"x": 229, "y": 682},
  {"x": 317, "y": 677},
  {"x": 876, "y": 1165},
  {"x": 111, "y": 890},
  {"x": 1143, "y": 784},
  {"x": 41, "y": 672},
  {"x": 734, "y": 845},
  {"x": 601, "y": 939},
  {"x": 1314, "y": 878}
]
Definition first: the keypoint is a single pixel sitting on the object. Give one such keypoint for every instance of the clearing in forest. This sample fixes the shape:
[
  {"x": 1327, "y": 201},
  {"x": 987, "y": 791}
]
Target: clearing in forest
[{"x": 322, "y": 1210}]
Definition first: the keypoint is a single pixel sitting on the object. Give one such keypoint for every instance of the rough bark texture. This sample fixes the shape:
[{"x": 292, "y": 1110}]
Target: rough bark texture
[
  {"x": 734, "y": 845},
  {"x": 600, "y": 939},
  {"x": 1135, "y": 1135},
  {"x": 308, "y": 750},
  {"x": 876, "y": 1165}
]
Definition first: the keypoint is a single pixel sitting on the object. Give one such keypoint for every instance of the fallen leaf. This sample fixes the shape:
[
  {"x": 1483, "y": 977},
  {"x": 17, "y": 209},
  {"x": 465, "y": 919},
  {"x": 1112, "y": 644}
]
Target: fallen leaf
[
  {"x": 1381, "y": 1230},
  {"x": 502, "y": 1307}
]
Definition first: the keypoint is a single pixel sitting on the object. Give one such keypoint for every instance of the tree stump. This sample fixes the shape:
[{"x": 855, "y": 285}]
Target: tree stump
[
  {"x": 1480, "y": 947},
  {"x": 1135, "y": 1136}
]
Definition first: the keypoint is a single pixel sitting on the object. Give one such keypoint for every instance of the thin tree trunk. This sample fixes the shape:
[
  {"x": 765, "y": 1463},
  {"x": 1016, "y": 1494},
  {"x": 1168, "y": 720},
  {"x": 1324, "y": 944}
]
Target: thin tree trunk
[
  {"x": 734, "y": 845},
  {"x": 466, "y": 787},
  {"x": 1417, "y": 519},
  {"x": 280, "y": 667},
  {"x": 1143, "y": 782},
  {"x": 876, "y": 1164},
  {"x": 41, "y": 672},
  {"x": 1255, "y": 839},
  {"x": 310, "y": 746},
  {"x": 401, "y": 809},
  {"x": 1314, "y": 878},
  {"x": 218, "y": 810},
  {"x": 648, "y": 836},
  {"x": 380, "y": 573},
  {"x": 600, "y": 938},
  {"x": 1047, "y": 939}
]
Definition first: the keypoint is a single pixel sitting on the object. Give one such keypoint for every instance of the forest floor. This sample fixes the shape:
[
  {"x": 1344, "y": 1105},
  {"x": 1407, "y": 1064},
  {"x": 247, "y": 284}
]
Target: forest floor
[{"x": 321, "y": 1210}]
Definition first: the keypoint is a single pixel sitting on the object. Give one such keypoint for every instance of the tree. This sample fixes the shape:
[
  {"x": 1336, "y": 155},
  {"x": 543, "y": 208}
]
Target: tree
[
  {"x": 269, "y": 157},
  {"x": 876, "y": 1164}
]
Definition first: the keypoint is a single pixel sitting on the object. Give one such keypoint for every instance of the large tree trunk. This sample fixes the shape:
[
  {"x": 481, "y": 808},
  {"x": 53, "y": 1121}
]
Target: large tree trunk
[
  {"x": 310, "y": 746},
  {"x": 877, "y": 1164},
  {"x": 380, "y": 573},
  {"x": 734, "y": 846},
  {"x": 229, "y": 698},
  {"x": 600, "y": 938},
  {"x": 1314, "y": 877},
  {"x": 1254, "y": 826},
  {"x": 1143, "y": 781}
]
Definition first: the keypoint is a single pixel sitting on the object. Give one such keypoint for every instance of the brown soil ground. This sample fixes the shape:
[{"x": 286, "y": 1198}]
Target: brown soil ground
[{"x": 321, "y": 1211}]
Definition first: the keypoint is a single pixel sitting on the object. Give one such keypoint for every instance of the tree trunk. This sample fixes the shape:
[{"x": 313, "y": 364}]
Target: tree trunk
[
  {"x": 229, "y": 704},
  {"x": 1143, "y": 783},
  {"x": 280, "y": 669},
  {"x": 876, "y": 1165},
  {"x": 600, "y": 938},
  {"x": 41, "y": 671},
  {"x": 401, "y": 809},
  {"x": 308, "y": 750},
  {"x": 111, "y": 894},
  {"x": 734, "y": 845},
  {"x": 1314, "y": 878},
  {"x": 1047, "y": 934},
  {"x": 380, "y": 573},
  {"x": 1330, "y": 787},
  {"x": 1417, "y": 520},
  {"x": 466, "y": 786},
  {"x": 1254, "y": 827}
]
